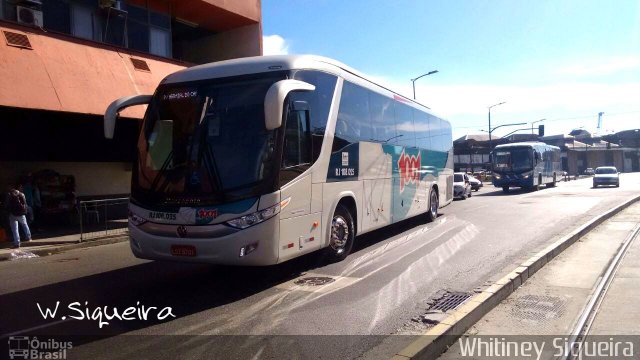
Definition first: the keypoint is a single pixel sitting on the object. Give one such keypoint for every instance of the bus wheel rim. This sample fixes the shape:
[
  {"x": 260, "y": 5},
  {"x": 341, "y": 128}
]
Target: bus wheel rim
[
  {"x": 434, "y": 203},
  {"x": 339, "y": 234}
]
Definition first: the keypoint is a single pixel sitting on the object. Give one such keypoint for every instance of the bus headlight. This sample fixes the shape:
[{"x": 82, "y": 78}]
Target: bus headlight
[
  {"x": 255, "y": 218},
  {"x": 497, "y": 176},
  {"x": 527, "y": 175}
]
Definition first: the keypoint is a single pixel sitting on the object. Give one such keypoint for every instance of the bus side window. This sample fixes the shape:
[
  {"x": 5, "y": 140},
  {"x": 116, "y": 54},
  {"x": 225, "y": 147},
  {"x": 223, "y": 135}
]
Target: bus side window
[{"x": 297, "y": 137}]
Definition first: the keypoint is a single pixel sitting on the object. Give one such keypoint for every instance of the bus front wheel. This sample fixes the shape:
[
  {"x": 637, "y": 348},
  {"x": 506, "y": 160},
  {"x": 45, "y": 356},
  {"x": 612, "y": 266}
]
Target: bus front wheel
[
  {"x": 342, "y": 234},
  {"x": 505, "y": 189},
  {"x": 432, "y": 214}
]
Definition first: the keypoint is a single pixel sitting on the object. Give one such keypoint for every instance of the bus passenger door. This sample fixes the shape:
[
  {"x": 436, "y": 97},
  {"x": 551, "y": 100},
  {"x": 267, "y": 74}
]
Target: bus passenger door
[{"x": 299, "y": 227}]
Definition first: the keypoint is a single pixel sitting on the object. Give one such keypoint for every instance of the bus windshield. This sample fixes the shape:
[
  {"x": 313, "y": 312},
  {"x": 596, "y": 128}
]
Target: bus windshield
[
  {"x": 204, "y": 140},
  {"x": 517, "y": 159}
]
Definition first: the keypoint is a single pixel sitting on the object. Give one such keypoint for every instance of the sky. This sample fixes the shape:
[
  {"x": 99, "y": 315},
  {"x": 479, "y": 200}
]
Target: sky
[{"x": 560, "y": 60}]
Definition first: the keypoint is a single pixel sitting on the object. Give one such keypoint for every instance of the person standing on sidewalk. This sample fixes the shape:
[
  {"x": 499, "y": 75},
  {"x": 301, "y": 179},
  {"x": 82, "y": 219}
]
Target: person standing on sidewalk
[{"x": 17, "y": 207}]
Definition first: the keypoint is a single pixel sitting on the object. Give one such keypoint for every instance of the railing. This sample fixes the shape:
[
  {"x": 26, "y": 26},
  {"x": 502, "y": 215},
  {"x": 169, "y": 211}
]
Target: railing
[{"x": 104, "y": 217}]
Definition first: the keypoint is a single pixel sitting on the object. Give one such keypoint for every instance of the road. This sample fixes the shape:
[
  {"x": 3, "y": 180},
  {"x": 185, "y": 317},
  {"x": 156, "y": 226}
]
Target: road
[{"x": 389, "y": 279}]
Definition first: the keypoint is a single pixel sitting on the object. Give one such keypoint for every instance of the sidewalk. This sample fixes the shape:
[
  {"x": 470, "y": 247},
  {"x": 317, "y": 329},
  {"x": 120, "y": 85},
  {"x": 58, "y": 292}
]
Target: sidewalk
[
  {"x": 551, "y": 301},
  {"x": 619, "y": 313},
  {"x": 47, "y": 243}
]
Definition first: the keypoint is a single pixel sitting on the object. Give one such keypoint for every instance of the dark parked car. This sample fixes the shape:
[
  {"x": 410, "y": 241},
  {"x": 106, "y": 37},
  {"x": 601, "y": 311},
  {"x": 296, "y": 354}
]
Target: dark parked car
[{"x": 606, "y": 175}]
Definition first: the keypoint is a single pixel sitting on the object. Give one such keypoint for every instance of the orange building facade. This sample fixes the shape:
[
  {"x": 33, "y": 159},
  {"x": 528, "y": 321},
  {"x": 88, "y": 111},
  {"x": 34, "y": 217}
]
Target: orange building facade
[{"x": 63, "y": 61}]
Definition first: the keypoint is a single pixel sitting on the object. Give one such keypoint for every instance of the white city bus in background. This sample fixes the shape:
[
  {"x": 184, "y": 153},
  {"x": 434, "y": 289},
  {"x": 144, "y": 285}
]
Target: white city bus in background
[{"x": 259, "y": 160}]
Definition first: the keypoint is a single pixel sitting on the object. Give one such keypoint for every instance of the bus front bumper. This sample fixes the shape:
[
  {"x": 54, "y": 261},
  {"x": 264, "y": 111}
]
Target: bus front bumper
[
  {"x": 513, "y": 181},
  {"x": 223, "y": 250}
]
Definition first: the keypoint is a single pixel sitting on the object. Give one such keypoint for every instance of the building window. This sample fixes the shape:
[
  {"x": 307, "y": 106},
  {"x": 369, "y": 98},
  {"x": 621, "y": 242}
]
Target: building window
[
  {"x": 137, "y": 28},
  {"x": 127, "y": 25},
  {"x": 148, "y": 31},
  {"x": 82, "y": 21},
  {"x": 114, "y": 27},
  {"x": 160, "y": 42},
  {"x": 56, "y": 14}
]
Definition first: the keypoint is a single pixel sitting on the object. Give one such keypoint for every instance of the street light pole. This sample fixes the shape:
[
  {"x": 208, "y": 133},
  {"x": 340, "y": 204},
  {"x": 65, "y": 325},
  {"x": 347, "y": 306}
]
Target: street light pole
[
  {"x": 534, "y": 123},
  {"x": 413, "y": 81},
  {"x": 490, "y": 123},
  {"x": 497, "y": 127}
]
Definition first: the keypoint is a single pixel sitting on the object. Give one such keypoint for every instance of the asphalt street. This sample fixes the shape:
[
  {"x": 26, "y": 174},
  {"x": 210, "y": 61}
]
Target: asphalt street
[{"x": 227, "y": 311}]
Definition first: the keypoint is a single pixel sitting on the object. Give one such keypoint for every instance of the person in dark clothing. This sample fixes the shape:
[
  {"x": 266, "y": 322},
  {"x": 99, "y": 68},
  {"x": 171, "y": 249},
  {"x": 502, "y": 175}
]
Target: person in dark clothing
[{"x": 16, "y": 205}]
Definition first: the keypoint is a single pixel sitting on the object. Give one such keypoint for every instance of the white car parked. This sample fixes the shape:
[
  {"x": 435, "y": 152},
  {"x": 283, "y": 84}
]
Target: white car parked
[{"x": 461, "y": 186}]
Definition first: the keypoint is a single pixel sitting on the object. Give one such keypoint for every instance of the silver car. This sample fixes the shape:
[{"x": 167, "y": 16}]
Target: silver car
[
  {"x": 475, "y": 183},
  {"x": 606, "y": 175}
]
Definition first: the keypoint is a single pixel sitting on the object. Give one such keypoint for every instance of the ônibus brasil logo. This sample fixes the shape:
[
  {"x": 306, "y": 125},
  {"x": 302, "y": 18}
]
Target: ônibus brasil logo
[{"x": 409, "y": 168}]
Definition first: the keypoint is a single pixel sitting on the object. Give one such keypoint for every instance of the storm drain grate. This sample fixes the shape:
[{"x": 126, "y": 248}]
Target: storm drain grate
[
  {"x": 314, "y": 281},
  {"x": 17, "y": 39},
  {"x": 450, "y": 300}
]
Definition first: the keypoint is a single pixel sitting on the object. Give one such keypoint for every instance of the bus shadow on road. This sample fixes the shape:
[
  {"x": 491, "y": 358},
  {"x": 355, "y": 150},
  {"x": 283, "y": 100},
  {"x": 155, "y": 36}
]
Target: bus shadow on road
[
  {"x": 379, "y": 235},
  {"x": 499, "y": 192}
]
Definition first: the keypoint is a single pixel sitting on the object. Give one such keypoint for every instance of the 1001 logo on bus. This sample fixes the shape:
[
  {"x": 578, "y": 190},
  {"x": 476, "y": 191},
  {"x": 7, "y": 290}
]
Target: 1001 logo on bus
[{"x": 409, "y": 168}]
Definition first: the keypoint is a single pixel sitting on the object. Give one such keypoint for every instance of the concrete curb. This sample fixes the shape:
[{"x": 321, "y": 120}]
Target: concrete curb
[
  {"x": 50, "y": 250},
  {"x": 434, "y": 342}
]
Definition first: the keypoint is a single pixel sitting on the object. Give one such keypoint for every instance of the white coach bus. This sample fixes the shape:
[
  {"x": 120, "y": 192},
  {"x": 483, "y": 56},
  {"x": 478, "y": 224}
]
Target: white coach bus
[{"x": 259, "y": 160}]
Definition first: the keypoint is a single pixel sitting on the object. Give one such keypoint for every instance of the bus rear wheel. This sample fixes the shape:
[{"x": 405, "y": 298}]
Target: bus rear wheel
[
  {"x": 432, "y": 214},
  {"x": 341, "y": 235}
]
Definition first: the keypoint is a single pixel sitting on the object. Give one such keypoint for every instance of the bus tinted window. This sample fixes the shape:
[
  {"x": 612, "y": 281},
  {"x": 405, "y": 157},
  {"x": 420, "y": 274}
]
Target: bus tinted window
[
  {"x": 319, "y": 102},
  {"x": 382, "y": 117},
  {"x": 446, "y": 136},
  {"x": 421, "y": 126},
  {"x": 404, "y": 125},
  {"x": 320, "y": 99},
  {"x": 354, "y": 122},
  {"x": 435, "y": 133}
]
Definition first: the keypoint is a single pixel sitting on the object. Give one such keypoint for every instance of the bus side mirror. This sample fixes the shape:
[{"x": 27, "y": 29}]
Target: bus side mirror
[
  {"x": 274, "y": 100},
  {"x": 111, "y": 114}
]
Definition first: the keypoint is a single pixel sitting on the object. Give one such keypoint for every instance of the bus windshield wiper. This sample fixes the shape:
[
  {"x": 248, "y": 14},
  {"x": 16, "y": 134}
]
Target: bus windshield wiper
[
  {"x": 211, "y": 160},
  {"x": 161, "y": 172}
]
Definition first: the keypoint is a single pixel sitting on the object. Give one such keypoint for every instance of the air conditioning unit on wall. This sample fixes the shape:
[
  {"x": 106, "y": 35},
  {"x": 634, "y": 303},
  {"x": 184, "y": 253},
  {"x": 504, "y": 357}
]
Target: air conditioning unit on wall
[{"x": 29, "y": 16}]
